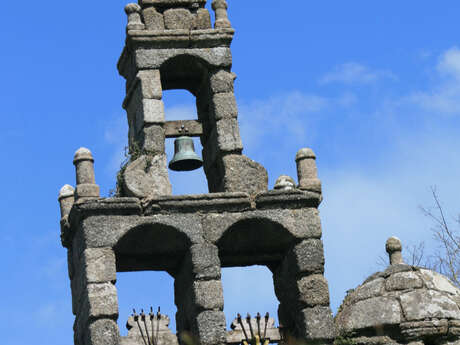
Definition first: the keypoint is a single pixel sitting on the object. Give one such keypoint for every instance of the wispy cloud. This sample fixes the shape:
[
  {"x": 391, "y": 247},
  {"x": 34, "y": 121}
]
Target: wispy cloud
[
  {"x": 444, "y": 98},
  {"x": 355, "y": 73}
]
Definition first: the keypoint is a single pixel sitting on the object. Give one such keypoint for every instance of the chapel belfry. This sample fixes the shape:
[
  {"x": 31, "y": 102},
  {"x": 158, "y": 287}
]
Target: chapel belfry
[{"x": 172, "y": 44}]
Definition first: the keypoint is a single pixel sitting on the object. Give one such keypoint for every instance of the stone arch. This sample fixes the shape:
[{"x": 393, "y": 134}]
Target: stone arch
[
  {"x": 254, "y": 241},
  {"x": 151, "y": 246},
  {"x": 186, "y": 72}
]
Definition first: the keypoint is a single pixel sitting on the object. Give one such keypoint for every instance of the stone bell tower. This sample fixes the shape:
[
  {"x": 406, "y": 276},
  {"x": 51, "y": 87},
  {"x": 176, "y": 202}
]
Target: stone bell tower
[{"x": 171, "y": 44}]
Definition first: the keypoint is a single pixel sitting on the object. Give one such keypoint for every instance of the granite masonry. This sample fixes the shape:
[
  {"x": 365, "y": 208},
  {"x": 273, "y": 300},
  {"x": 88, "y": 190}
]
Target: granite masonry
[{"x": 172, "y": 44}]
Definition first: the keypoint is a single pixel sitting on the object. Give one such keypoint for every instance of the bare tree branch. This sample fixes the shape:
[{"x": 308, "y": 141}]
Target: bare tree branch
[{"x": 446, "y": 260}]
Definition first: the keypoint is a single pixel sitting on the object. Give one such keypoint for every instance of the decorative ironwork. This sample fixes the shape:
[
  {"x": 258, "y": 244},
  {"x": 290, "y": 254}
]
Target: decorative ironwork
[{"x": 142, "y": 322}]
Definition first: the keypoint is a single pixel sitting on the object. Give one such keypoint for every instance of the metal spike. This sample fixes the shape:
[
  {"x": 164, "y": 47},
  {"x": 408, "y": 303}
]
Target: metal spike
[
  {"x": 240, "y": 321},
  {"x": 248, "y": 320},
  {"x": 258, "y": 324},
  {"x": 267, "y": 316}
]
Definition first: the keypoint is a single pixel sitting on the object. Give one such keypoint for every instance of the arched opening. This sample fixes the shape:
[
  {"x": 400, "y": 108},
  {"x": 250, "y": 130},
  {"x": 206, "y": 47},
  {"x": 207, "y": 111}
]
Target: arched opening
[
  {"x": 180, "y": 105},
  {"x": 151, "y": 247},
  {"x": 248, "y": 290},
  {"x": 254, "y": 241},
  {"x": 142, "y": 290},
  {"x": 251, "y": 251},
  {"x": 184, "y": 81},
  {"x": 147, "y": 257},
  {"x": 185, "y": 72}
]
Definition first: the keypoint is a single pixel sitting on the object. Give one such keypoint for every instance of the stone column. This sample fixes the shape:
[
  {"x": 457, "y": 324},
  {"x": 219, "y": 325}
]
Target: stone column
[
  {"x": 199, "y": 296},
  {"x": 134, "y": 17},
  {"x": 303, "y": 293},
  {"x": 86, "y": 188},
  {"x": 220, "y": 7},
  {"x": 394, "y": 250},
  {"x": 94, "y": 297},
  {"x": 307, "y": 171},
  {"x": 146, "y": 174},
  {"x": 226, "y": 168}
]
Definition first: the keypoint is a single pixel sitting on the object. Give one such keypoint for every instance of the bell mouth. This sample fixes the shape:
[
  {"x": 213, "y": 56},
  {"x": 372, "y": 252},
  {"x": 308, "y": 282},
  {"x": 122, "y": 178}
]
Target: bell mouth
[{"x": 186, "y": 165}]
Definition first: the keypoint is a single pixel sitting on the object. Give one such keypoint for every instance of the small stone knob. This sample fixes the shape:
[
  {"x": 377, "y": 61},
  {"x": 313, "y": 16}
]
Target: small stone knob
[
  {"x": 134, "y": 17},
  {"x": 66, "y": 199},
  {"x": 220, "y": 8},
  {"x": 285, "y": 182},
  {"x": 394, "y": 250},
  {"x": 86, "y": 183},
  {"x": 307, "y": 171}
]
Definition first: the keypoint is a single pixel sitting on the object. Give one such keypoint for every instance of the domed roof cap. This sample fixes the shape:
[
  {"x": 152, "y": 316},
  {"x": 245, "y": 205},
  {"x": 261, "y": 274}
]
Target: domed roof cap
[{"x": 403, "y": 303}]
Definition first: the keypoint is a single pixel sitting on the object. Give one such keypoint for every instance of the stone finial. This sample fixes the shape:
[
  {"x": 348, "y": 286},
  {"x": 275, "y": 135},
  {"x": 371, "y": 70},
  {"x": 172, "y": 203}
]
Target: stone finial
[
  {"x": 66, "y": 199},
  {"x": 306, "y": 170},
  {"x": 134, "y": 17},
  {"x": 86, "y": 183},
  {"x": 285, "y": 182},
  {"x": 220, "y": 7},
  {"x": 394, "y": 250}
]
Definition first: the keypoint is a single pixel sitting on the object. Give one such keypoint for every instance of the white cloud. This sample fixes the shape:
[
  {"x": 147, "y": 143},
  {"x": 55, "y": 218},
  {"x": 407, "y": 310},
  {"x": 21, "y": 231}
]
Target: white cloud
[
  {"x": 449, "y": 63},
  {"x": 444, "y": 97},
  {"x": 355, "y": 73}
]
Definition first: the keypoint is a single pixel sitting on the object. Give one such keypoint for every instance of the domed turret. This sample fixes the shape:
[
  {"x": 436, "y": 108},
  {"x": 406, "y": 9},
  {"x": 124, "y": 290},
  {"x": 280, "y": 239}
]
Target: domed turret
[{"x": 402, "y": 305}]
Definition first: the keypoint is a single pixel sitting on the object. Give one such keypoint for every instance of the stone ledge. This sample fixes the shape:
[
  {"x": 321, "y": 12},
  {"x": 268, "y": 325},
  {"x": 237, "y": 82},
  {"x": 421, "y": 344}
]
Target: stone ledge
[
  {"x": 171, "y": 2},
  {"x": 180, "y": 38},
  {"x": 232, "y": 202},
  {"x": 109, "y": 205},
  {"x": 287, "y": 199}
]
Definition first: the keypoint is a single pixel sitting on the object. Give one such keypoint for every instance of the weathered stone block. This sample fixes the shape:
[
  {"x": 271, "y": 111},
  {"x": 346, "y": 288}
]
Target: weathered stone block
[
  {"x": 102, "y": 332},
  {"x": 205, "y": 261},
  {"x": 153, "y": 20},
  {"x": 242, "y": 174},
  {"x": 210, "y": 327},
  {"x": 208, "y": 295},
  {"x": 316, "y": 324},
  {"x": 223, "y": 104},
  {"x": 146, "y": 176},
  {"x": 222, "y": 82},
  {"x": 202, "y": 19},
  {"x": 99, "y": 265},
  {"x": 307, "y": 257},
  {"x": 150, "y": 84},
  {"x": 86, "y": 191},
  {"x": 178, "y": 18},
  {"x": 152, "y": 139},
  {"x": 100, "y": 300},
  {"x": 368, "y": 313},
  {"x": 371, "y": 289},
  {"x": 438, "y": 282},
  {"x": 70, "y": 263},
  {"x": 403, "y": 281},
  {"x": 228, "y": 136},
  {"x": 152, "y": 111},
  {"x": 422, "y": 304},
  {"x": 313, "y": 290}
]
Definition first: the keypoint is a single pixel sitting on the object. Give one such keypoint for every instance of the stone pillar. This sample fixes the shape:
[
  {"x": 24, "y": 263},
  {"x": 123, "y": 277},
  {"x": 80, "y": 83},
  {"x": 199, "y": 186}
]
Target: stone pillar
[
  {"x": 226, "y": 168},
  {"x": 306, "y": 170},
  {"x": 199, "y": 296},
  {"x": 86, "y": 188},
  {"x": 134, "y": 17},
  {"x": 220, "y": 7},
  {"x": 303, "y": 293},
  {"x": 66, "y": 199},
  {"x": 146, "y": 174},
  {"x": 94, "y": 297},
  {"x": 394, "y": 250}
]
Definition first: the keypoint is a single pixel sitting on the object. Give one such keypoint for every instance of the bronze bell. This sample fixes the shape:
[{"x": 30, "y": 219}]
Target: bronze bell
[{"x": 185, "y": 158}]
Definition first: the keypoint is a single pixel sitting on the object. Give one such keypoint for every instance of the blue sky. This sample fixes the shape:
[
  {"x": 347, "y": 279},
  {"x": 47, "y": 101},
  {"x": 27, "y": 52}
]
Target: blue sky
[{"x": 372, "y": 87}]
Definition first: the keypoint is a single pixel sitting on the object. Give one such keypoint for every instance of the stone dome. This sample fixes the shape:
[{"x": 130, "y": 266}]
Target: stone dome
[{"x": 402, "y": 305}]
